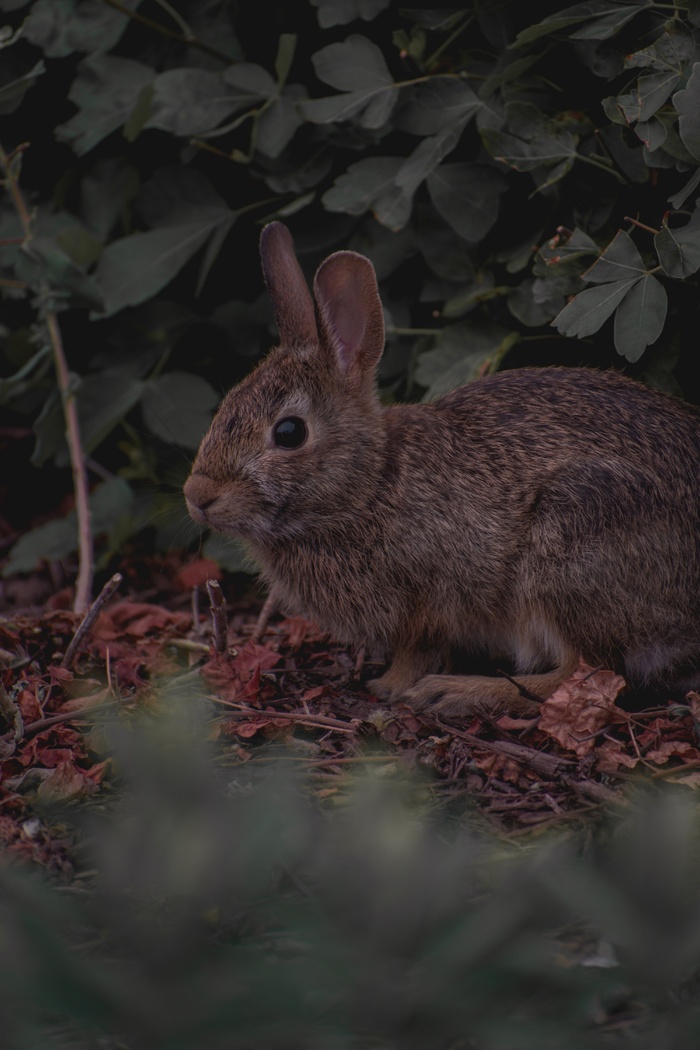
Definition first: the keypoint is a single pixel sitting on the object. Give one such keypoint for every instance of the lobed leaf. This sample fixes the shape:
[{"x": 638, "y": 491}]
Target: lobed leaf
[
  {"x": 105, "y": 90},
  {"x": 679, "y": 249},
  {"x": 177, "y": 407},
  {"x": 687, "y": 104},
  {"x": 639, "y": 319},
  {"x": 467, "y": 197},
  {"x": 591, "y": 308},
  {"x": 619, "y": 260}
]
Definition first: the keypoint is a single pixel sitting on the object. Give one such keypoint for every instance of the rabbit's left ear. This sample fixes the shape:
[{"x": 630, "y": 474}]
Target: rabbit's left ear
[
  {"x": 349, "y": 311},
  {"x": 291, "y": 298}
]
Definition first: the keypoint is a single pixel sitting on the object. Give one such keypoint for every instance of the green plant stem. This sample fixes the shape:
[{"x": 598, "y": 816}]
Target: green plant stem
[{"x": 83, "y": 586}]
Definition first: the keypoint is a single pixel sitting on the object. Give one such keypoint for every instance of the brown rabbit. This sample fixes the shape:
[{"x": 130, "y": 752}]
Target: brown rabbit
[{"x": 536, "y": 515}]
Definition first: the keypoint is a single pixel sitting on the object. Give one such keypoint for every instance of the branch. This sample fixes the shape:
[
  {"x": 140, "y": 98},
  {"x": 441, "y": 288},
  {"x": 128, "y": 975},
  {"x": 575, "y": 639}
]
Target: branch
[
  {"x": 90, "y": 617},
  {"x": 218, "y": 616}
]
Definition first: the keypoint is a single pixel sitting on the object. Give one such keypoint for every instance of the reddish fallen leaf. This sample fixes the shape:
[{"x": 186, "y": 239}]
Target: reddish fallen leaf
[
  {"x": 196, "y": 573},
  {"x": 29, "y": 706},
  {"x": 670, "y": 749},
  {"x": 248, "y": 729},
  {"x": 612, "y": 756},
  {"x": 499, "y": 765},
  {"x": 239, "y": 677},
  {"x": 514, "y": 724},
  {"x": 581, "y": 707},
  {"x": 136, "y": 620},
  {"x": 66, "y": 781},
  {"x": 84, "y": 703}
]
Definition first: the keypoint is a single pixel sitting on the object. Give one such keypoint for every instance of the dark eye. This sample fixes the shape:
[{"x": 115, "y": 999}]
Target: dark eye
[{"x": 289, "y": 433}]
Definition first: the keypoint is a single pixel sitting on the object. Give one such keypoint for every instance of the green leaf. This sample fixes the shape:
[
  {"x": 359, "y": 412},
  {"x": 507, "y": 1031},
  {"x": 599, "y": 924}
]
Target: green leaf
[
  {"x": 687, "y": 103},
  {"x": 355, "y": 66},
  {"x": 671, "y": 51},
  {"x": 110, "y": 501},
  {"x": 537, "y": 143},
  {"x": 459, "y": 353},
  {"x": 679, "y": 249},
  {"x": 610, "y": 24},
  {"x": 105, "y": 192},
  {"x": 12, "y": 93},
  {"x": 279, "y": 122},
  {"x": 286, "y": 47},
  {"x": 340, "y": 12},
  {"x": 594, "y": 9},
  {"x": 192, "y": 101},
  {"x": 356, "y": 189},
  {"x": 44, "y": 261},
  {"x": 619, "y": 260},
  {"x": 177, "y": 407},
  {"x": 137, "y": 267},
  {"x": 105, "y": 90},
  {"x": 424, "y": 159},
  {"x": 639, "y": 319},
  {"x": 176, "y": 195},
  {"x": 62, "y": 27},
  {"x": 104, "y": 399},
  {"x": 467, "y": 197},
  {"x": 591, "y": 308},
  {"x": 443, "y": 103}
]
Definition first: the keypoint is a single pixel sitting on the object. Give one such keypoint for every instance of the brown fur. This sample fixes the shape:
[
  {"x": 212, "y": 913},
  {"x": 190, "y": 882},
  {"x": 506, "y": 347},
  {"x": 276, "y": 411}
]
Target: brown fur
[{"x": 538, "y": 515}]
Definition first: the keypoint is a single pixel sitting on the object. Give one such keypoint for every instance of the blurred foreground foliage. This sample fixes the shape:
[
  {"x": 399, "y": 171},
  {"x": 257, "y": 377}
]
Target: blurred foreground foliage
[
  {"x": 229, "y": 907},
  {"x": 488, "y": 157}
]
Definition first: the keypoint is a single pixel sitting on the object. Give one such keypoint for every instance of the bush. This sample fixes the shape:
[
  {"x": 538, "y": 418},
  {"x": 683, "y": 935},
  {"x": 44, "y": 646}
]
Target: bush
[{"x": 519, "y": 175}]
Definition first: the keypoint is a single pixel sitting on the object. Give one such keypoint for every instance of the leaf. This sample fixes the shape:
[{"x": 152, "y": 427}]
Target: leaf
[
  {"x": 605, "y": 27},
  {"x": 537, "y": 143},
  {"x": 679, "y": 249},
  {"x": 110, "y": 501},
  {"x": 176, "y": 195},
  {"x": 45, "y": 262},
  {"x": 619, "y": 260},
  {"x": 177, "y": 407},
  {"x": 279, "y": 122},
  {"x": 679, "y": 199},
  {"x": 192, "y": 101},
  {"x": 136, "y": 267},
  {"x": 105, "y": 90},
  {"x": 671, "y": 51},
  {"x": 60, "y": 29},
  {"x": 104, "y": 399},
  {"x": 467, "y": 197},
  {"x": 640, "y": 317},
  {"x": 424, "y": 159},
  {"x": 591, "y": 308},
  {"x": 443, "y": 103},
  {"x": 286, "y": 47},
  {"x": 105, "y": 192},
  {"x": 355, "y": 66},
  {"x": 584, "y": 12},
  {"x": 459, "y": 352},
  {"x": 12, "y": 93},
  {"x": 687, "y": 104},
  {"x": 340, "y": 12},
  {"x": 356, "y": 189}
]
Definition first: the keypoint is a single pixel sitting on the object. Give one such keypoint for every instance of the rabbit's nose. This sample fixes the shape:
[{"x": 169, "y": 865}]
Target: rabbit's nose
[{"x": 200, "y": 493}]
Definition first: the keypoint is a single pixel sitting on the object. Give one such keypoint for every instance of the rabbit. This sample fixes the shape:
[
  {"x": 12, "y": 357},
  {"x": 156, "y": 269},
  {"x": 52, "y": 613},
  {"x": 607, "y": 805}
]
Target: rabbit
[{"x": 539, "y": 515}]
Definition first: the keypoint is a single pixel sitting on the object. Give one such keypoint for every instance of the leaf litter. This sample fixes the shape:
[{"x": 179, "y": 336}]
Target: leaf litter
[{"x": 296, "y": 688}]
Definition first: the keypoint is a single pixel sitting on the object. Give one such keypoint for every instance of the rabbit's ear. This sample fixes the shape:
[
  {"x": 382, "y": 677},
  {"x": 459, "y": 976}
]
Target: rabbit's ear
[
  {"x": 291, "y": 298},
  {"x": 350, "y": 318}
]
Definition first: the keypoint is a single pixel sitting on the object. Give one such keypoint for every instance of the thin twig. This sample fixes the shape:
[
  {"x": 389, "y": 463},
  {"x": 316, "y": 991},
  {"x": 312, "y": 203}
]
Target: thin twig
[
  {"x": 263, "y": 619},
  {"x": 641, "y": 225},
  {"x": 218, "y": 615},
  {"x": 196, "y": 625},
  {"x": 90, "y": 617},
  {"x": 291, "y": 716}
]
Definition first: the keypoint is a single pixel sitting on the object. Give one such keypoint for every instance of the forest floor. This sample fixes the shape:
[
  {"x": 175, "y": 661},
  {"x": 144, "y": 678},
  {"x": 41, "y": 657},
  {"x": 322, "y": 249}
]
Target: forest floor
[{"x": 297, "y": 688}]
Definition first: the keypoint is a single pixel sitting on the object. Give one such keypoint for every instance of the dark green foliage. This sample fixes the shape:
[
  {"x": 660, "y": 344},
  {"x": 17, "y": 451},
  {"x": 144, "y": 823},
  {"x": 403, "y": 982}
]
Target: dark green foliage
[
  {"x": 223, "y": 907},
  {"x": 488, "y": 157}
]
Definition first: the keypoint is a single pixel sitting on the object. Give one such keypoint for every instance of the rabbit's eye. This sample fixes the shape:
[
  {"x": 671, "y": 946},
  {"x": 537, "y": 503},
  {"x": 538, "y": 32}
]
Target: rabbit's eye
[{"x": 290, "y": 433}]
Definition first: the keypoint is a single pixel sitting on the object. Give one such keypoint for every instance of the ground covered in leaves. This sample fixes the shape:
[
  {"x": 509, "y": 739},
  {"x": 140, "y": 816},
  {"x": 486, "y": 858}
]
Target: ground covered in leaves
[{"x": 296, "y": 687}]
